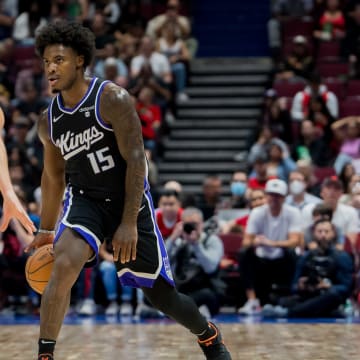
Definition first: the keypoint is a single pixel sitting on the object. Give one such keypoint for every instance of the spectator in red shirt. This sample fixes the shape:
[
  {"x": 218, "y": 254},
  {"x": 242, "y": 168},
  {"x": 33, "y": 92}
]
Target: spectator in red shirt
[
  {"x": 256, "y": 198},
  {"x": 150, "y": 116},
  {"x": 259, "y": 175},
  {"x": 168, "y": 214},
  {"x": 331, "y": 23}
]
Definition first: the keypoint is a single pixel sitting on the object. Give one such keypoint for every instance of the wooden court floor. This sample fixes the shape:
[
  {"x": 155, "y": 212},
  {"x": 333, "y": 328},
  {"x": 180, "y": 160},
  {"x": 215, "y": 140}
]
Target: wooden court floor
[{"x": 170, "y": 341}]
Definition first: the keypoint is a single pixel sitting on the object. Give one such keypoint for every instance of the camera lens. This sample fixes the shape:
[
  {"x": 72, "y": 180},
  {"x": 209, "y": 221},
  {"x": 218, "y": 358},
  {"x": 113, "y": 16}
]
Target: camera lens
[{"x": 189, "y": 227}]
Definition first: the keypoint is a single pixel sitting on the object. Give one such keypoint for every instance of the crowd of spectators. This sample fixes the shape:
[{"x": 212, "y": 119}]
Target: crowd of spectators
[
  {"x": 293, "y": 211},
  {"x": 142, "y": 46}
]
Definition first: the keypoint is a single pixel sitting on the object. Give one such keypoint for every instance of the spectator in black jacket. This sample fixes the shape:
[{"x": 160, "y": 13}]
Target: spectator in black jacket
[{"x": 322, "y": 282}]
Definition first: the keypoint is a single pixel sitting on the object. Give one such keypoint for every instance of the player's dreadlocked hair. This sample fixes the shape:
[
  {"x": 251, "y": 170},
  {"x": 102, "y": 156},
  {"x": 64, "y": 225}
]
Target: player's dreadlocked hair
[{"x": 69, "y": 34}]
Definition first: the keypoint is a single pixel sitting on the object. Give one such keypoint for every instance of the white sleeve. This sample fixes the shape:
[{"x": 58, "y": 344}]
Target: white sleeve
[
  {"x": 296, "y": 107},
  {"x": 165, "y": 64},
  {"x": 295, "y": 221},
  {"x": 20, "y": 28},
  {"x": 135, "y": 66},
  {"x": 252, "y": 226},
  {"x": 352, "y": 225},
  {"x": 332, "y": 104},
  {"x": 306, "y": 216}
]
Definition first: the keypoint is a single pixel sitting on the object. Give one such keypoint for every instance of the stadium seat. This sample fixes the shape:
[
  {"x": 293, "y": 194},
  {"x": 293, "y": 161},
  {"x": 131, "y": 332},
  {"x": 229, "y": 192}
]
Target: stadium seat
[
  {"x": 328, "y": 51},
  {"x": 353, "y": 88},
  {"x": 333, "y": 69},
  {"x": 295, "y": 27},
  {"x": 232, "y": 245},
  {"x": 23, "y": 56},
  {"x": 229, "y": 269},
  {"x": 337, "y": 86},
  {"x": 323, "y": 172},
  {"x": 350, "y": 106},
  {"x": 288, "y": 89}
]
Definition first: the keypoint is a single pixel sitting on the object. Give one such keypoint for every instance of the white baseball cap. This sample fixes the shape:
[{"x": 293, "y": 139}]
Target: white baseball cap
[
  {"x": 299, "y": 39},
  {"x": 276, "y": 186}
]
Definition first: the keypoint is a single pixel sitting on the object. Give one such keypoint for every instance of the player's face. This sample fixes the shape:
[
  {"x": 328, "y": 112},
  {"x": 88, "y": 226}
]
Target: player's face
[{"x": 61, "y": 66}]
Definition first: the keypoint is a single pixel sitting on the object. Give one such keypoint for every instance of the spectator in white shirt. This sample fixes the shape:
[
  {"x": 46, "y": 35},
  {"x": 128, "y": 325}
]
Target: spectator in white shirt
[
  {"x": 298, "y": 196},
  {"x": 344, "y": 216},
  {"x": 272, "y": 233}
]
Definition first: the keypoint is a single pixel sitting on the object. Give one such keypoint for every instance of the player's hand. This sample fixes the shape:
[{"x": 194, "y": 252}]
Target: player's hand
[
  {"x": 12, "y": 208},
  {"x": 124, "y": 243},
  {"x": 40, "y": 240}
]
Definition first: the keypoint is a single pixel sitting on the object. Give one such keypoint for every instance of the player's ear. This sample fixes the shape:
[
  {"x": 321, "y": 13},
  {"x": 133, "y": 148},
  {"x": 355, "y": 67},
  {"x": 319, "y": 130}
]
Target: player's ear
[{"x": 80, "y": 61}]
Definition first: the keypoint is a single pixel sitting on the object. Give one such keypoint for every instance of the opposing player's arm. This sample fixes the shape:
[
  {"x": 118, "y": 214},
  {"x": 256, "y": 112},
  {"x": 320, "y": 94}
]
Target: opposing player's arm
[
  {"x": 117, "y": 109},
  {"x": 5, "y": 184},
  {"x": 52, "y": 178},
  {"x": 12, "y": 208}
]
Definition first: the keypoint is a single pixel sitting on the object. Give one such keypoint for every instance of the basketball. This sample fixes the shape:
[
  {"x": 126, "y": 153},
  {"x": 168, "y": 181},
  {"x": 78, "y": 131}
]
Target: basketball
[{"x": 39, "y": 266}]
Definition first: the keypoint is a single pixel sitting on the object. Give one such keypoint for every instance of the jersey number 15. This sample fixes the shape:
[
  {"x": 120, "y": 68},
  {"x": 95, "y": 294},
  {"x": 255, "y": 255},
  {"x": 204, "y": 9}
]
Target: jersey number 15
[{"x": 101, "y": 160}]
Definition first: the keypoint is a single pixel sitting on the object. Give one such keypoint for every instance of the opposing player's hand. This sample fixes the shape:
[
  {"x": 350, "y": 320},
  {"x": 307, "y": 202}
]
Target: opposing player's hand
[
  {"x": 124, "y": 243},
  {"x": 12, "y": 208},
  {"x": 40, "y": 240}
]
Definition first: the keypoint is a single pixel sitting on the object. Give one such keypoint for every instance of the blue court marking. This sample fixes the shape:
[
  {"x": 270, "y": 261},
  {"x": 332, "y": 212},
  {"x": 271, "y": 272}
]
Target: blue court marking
[{"x": 223, "y": 318}]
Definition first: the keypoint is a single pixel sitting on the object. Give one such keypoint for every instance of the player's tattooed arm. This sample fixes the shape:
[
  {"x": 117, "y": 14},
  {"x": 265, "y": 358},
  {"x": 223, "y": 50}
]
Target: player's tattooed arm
[{"x": 117, "y": 109}]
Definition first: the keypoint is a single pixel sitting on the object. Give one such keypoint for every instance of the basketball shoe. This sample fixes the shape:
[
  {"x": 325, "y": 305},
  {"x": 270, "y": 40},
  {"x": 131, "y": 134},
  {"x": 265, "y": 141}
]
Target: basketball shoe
[
  {"x": 46, "y": 357},
  {"x": 214, "y": 347}
]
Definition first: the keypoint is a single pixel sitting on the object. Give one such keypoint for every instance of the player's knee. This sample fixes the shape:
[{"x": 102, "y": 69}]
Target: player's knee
[
  {"x": 162, "y": 300},
  {"x": 65, "y": 271}
]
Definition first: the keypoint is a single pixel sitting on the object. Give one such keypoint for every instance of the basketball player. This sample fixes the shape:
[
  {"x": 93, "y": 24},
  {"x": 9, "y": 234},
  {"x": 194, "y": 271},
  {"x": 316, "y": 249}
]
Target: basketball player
[
  {"x": 92, "y": 137},
  {"x": 12, "y": 207}
]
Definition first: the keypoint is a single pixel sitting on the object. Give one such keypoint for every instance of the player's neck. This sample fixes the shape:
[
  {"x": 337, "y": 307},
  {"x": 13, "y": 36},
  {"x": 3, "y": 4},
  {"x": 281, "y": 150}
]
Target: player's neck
[{"x": 72, "y": 96}]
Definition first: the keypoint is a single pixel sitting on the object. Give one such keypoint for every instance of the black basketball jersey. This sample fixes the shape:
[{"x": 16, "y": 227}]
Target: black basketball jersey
[{"x": 93, "y": 162}]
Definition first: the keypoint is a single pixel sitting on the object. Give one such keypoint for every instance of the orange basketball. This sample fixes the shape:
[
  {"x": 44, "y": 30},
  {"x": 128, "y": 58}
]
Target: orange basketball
[{"x": 39, "y": 266}]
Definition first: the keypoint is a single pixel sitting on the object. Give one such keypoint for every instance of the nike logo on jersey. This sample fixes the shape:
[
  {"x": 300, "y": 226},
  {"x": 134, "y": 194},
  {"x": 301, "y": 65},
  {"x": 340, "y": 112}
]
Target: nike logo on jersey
[
  {"x": 71, "y": 144},
  {"x": 142, "y": 208},
  {"x": 55, "y": 119}
]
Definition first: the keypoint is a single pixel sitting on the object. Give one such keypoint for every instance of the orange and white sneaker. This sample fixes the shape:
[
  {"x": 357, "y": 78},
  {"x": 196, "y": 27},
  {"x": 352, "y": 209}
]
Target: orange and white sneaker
[{"x": 214, "y": 347}]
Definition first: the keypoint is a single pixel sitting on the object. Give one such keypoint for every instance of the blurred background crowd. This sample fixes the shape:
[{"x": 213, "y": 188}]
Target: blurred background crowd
[{"x": 281, "y": 238}]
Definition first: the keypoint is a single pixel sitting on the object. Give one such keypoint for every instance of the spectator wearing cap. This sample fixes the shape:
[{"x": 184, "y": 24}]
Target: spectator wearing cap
[
  {"x": 268, "y": 259},
  {"x": 344, "y": 216},
  {"x": 281, "y": 10},
  {"x": 300, "y": 109},
  {"x": 298, "y": 196},
  {"x": 299, "y": 63}
]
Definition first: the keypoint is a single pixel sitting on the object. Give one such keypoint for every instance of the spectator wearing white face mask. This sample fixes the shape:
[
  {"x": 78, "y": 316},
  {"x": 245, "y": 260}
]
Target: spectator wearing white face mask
[{"x": 298, "y": 197}]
